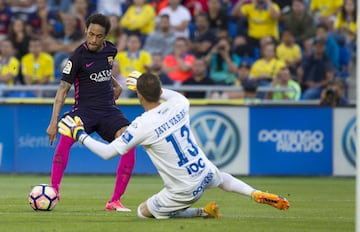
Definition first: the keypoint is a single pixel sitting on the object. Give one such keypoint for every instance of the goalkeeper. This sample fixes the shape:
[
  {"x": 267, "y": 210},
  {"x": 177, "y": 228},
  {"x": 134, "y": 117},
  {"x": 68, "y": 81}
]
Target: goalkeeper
[
  {"x": 164, "y": 132},
  {"x": 89, "y": 69}
]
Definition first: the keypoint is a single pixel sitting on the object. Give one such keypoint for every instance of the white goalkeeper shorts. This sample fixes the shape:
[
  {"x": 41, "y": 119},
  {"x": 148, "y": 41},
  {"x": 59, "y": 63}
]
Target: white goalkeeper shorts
[{"x": 165, "y": 203}]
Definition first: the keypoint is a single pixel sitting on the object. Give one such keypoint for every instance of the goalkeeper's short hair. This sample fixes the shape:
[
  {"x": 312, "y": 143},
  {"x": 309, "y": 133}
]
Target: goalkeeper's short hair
[{"x": 149, "y": 86}]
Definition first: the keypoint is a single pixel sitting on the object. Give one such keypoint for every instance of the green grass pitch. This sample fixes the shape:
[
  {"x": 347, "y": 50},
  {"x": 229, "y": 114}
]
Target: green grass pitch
[{"x": 317, "y": 204}]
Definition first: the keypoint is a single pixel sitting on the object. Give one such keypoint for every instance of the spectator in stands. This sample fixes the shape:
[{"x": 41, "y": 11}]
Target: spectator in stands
[
  {"x": 162, "y": 40},
  {"x": 262, "y": 17},
  {"x": 133, "y": 58},
  {"x": 41, "y": 23},
  {"x": 110, "y": 7},
  {"x": 64, "y": 42},
  {"x": 300, "y": 22},
  {"x": 179, "y": 65},
  {"x": 202, "y": 39},
  {"x": 9, "y": 64},
  {"x": 325, "y": 11},
  {"x": 289, "y": 51},
  {"x": 180, "y": 18},
  {"x": 37, "y": 66},
  {"x": 196, "y": 6},
  {"x": 116, "y": 33},
  {"x": 81, "y": 9},
  {"x": 156, "y": 68},
  {"x": 243, "y": 72},
  {"x": 22, "y": 8},
  {"x": 241, "y": 48},
  {"x": 139, "y": 18},
  {"x": 345, "y": 24},
  {"x": 60, "y": 6},
  {"x": 125, "y": 93},
  {"x": 243, "y": 75},
  {"x": 317, "y": 71},
  {"x": 223, "y": 63},
  {"x": 200, "y": 77},
  {"x": 19, "y": 37},
  {"x": 5, "y": 19},
  {"x": 283, "y": 4},
  {"x": 217, "y": 15},
  {"x": 249, "y": 93},
  {"x": 158, "y": 5},
  {"x": 283, "y": 79},
  {"x": 332, "y": 48},
  {"x": 264, "y": 70},
  {"x": 115, "y": 28},
  {"x": 334, "y": 94}
]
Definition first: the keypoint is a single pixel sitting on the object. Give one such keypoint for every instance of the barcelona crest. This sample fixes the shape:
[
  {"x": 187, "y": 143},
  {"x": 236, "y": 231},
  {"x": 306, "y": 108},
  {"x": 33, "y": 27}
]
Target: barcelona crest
[{"x": 110, "y": 60}]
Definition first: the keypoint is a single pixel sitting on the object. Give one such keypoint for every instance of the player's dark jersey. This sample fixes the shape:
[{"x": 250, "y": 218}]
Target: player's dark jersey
[{"x": 90, "y": 72}]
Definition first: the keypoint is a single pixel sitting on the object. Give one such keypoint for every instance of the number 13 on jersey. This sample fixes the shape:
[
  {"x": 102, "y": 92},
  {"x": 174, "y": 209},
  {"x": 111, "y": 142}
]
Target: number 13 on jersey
[{"x": 182, "y": 153}]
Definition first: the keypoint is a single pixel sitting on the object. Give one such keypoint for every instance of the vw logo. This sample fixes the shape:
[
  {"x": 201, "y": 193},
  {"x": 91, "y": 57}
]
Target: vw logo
[
  {"x": 217, "y": 135},
  {"x": 349, "y": 141}
]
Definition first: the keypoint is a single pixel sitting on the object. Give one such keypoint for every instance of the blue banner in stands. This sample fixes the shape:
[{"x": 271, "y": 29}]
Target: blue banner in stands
[
  {"x": 25, "y": 145},
  {"x": 290, "y": 140},
  {"x": 7, "y": 135}
]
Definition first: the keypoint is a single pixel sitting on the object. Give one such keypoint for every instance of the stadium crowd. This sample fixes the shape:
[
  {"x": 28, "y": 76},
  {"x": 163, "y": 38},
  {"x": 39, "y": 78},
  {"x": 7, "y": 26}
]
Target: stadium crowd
[{"x": 307, "y": 46}]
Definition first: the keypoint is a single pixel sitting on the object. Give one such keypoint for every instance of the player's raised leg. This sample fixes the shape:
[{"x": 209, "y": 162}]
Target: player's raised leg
[
  {"x": 232, "y": 184},
  {"x": 123, "y": 175},
  {"x": 60, "y": 160}
]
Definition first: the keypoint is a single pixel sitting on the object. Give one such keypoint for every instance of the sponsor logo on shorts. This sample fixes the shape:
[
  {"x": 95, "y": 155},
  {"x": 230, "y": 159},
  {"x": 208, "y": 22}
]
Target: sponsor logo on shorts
[
  {"x": 348, "y": 141},
  {"x": 217, "y": 135},
  {"x": 207, "y": 179}
]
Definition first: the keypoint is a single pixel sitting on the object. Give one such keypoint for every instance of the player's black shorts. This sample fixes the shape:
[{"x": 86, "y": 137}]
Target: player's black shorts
[{"x": 104, "y": 122}]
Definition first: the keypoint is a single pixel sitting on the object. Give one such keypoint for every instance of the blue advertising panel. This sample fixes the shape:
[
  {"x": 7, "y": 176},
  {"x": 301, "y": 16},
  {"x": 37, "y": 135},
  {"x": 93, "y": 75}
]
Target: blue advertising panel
[
  {"x": 7, "y": 138},
  {"x": 27, "y": 147},
  {"x": 290, "y": 141}
]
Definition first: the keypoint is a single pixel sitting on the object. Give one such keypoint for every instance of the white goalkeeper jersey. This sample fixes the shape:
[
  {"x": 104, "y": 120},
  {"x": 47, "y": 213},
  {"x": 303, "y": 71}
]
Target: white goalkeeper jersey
[{"x": 165, "y": 134}]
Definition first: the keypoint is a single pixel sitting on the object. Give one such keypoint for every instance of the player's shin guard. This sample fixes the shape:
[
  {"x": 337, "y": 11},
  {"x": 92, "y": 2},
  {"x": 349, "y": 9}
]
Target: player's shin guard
[
  {"x": 123, "y": 173},
  {"x": 60, "y": 160}
]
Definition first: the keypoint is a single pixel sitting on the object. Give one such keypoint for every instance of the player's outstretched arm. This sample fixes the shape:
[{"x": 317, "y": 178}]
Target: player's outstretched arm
[
  {"x": 168, "y": 94},
  {"x": 73, "y": 128}
]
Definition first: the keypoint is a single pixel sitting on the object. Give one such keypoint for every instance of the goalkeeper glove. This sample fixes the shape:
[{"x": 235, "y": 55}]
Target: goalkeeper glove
[
  {"x": 72, "y": 128},
  {"x": 131, "y": 80}
]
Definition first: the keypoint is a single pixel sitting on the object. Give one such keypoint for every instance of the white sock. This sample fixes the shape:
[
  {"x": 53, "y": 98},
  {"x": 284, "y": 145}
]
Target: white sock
[
  {"x": 232, "y": 184},
  {"x": 189, "y": 213}
]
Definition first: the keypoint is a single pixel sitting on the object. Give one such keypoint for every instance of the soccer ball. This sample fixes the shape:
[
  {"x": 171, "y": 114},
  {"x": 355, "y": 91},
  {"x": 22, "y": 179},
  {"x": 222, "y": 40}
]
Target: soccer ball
[{"x": 43, "y": 197}]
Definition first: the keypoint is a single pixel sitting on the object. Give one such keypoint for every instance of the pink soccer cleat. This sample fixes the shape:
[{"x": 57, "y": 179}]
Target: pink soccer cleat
[{"x": 116, "y": 205}]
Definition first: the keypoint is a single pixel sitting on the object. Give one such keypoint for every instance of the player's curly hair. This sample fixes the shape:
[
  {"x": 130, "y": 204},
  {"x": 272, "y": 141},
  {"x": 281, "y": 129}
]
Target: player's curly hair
[
  {"x": 149, "y": 86},
  {"x": 99, "y": 19}
]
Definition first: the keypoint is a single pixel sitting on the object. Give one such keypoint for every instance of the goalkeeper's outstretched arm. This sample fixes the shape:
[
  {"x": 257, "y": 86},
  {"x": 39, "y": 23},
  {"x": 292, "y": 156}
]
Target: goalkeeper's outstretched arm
[
  {"x": 105, "y": 151},
  {"x": 74, "y": 128}
]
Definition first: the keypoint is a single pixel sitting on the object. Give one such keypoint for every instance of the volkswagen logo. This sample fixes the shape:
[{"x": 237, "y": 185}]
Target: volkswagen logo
[
  {"x": 217, "y": 135},
  {"x": 349, "y": 141}
]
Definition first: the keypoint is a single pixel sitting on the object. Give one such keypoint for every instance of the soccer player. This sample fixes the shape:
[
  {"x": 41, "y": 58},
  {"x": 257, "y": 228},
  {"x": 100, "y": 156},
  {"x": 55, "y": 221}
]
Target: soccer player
[
  {"x": 164, "y": 132},
  {"x": 90, "y": 70}
]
